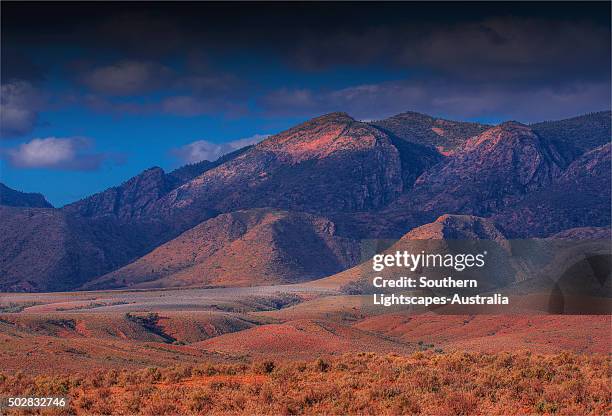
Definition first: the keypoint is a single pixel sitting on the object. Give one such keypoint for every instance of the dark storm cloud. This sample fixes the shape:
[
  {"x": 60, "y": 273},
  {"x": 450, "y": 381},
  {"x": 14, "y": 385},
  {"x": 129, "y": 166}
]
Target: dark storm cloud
[
  {"x": 20, "y": 103},
  {"x": 17, "y": 66},
  {"x": 452, "y": 100},
  {"x": 501, "y": 49},
  {"x": 127, "y": 77},
  {"x": 525, "y": 60}
]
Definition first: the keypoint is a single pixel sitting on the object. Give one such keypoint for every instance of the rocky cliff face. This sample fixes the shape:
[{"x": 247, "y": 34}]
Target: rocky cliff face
[
  {"x": 489, "y": 172},
  {"x": 12, "y": 198}
]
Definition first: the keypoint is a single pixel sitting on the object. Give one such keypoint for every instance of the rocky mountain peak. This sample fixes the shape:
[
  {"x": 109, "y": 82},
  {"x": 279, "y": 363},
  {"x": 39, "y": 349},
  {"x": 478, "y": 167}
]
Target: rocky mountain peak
[
  {"x": 510, "y": 131},
  {"x": 127, "y": 200},
  {"x": 322, "y": 136}
]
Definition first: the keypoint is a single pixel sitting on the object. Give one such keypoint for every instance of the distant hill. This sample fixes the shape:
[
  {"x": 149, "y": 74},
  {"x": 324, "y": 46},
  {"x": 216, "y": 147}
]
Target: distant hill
[{"x": 12, "y": 198}]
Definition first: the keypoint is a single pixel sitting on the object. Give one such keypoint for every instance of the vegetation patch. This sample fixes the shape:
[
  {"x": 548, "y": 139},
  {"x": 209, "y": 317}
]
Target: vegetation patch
[
  {"x": 423, "y": 383},
  {"x": 16, "y": 307}
]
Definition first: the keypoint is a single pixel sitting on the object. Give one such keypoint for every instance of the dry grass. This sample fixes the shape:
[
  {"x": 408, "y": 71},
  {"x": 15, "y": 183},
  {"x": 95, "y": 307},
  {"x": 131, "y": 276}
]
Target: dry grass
[{"x": 423, "y": 383}]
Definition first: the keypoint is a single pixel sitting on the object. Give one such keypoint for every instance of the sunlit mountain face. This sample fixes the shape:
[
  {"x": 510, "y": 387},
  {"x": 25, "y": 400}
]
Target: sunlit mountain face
[{"x": 95, "y": 93}]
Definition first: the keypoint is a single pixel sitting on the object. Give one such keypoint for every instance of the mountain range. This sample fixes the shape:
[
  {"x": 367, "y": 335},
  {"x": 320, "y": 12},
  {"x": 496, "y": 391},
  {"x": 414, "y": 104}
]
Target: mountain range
[{"x": 296, "y": 206}]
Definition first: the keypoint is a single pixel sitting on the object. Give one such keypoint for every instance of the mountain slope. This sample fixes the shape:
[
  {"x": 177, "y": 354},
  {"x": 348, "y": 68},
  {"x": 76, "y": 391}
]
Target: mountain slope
[
  {"x": 430, "y": 237},
  {"x": 258, "y": 246},
  {"x": 128, "y": 201},
  {"x": 44, "y": 249},
  {"x": 328, "y": 164},
  {"x": 577, "y": 135},
  {"x": 12, "y": 198},
  {"x": 578, "y": 198},
  {"x": 489, "y": 172},
  {"x": 444, "y": 135}
]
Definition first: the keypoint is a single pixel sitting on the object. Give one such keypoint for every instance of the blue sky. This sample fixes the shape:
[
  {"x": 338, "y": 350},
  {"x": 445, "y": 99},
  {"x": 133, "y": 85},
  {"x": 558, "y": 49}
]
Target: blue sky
[{"x": 93, "y": 94}]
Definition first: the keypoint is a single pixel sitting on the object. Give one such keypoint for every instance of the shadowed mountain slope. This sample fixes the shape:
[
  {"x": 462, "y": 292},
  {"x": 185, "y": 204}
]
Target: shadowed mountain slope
[
  {"x": 134, "y": 199},
  {"x": 577, "y": 135},
  {"x": 12, "y": 198},
  {"x": 489, "y": 172},
  {"x": 257, "y": 246},
  {"x": 128, "y": 201},
  {"x": 578, "y": 198},
  {"x": 43, "y": 249}
]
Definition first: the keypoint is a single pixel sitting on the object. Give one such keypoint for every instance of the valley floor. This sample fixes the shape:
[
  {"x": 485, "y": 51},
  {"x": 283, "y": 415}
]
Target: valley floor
[{"x": 295, "y": 349}]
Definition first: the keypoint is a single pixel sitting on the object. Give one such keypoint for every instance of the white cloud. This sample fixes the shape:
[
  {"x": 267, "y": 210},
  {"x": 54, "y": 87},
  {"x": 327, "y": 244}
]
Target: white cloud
[
  {"x": 207, "y": 150},
  {"x": 19, "y": 106},
  {"x": 56, "y": 153}
]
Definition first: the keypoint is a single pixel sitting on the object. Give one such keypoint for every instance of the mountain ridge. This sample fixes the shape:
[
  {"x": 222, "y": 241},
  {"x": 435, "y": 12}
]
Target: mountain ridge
[
  {"x": 365, "y": 180},
  {"x": 13, "y": 198}
]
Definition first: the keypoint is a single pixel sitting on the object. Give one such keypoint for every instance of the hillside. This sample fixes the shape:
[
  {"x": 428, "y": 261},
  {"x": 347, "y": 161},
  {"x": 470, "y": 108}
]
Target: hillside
[
  {"x": 45, "y": 249},
  {"x": 12, "y": 198},
  {"x": 580, "y": 197},
  {"x": 577, "y": 135},
  {"x": 444, "y": 135},
  {"x": 258, "y": 246},
  {"x": 329, "y": 164}
]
